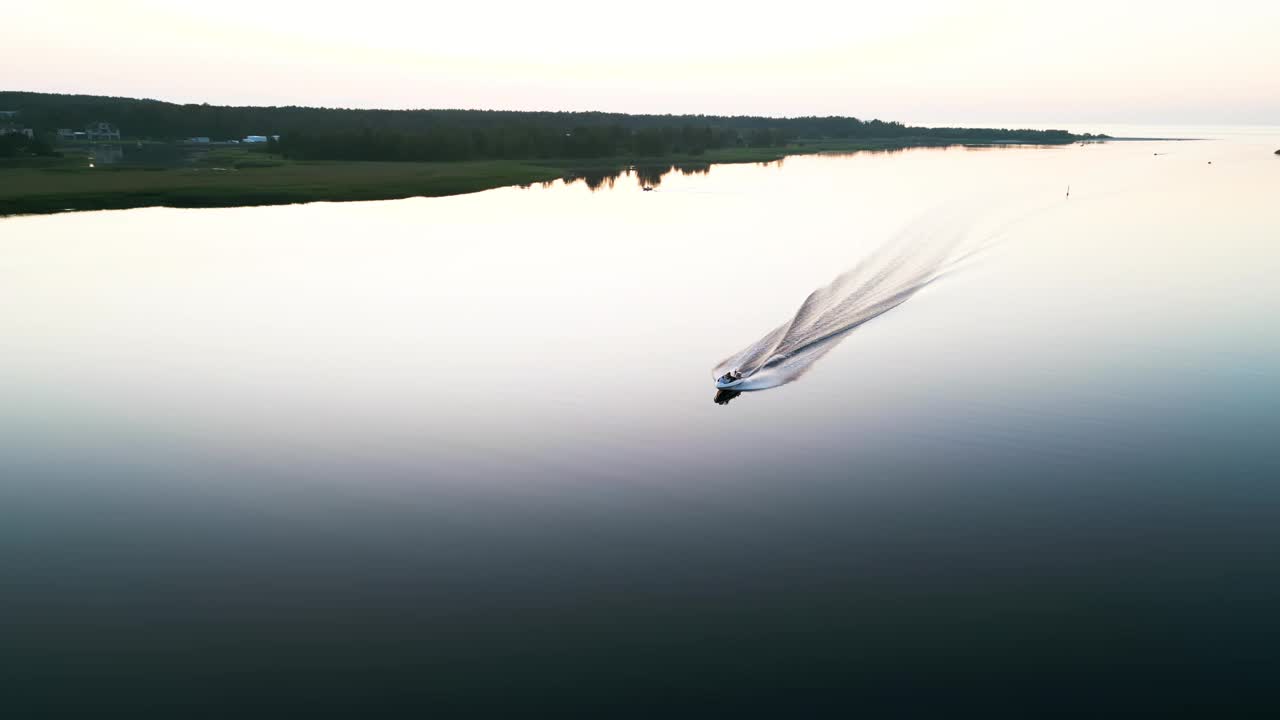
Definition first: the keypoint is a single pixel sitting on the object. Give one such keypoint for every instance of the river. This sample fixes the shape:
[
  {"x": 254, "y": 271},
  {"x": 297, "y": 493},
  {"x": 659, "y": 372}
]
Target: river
[{"x": 463, "y": 451}]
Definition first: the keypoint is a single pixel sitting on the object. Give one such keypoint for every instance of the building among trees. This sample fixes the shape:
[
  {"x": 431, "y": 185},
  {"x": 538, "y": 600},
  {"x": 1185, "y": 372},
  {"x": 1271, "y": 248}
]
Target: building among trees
[
  {"x": 14, "y": 129},
  {"x": 101, "y": 131},
  {"x": 9, "y": 127}
]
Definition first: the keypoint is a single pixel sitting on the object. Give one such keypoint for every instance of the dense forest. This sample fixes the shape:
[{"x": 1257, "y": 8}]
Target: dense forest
[
  {"x": 517, "y": 142},
  {"x": 354, "y": 134},
  {"x": 19, "y": 145}
]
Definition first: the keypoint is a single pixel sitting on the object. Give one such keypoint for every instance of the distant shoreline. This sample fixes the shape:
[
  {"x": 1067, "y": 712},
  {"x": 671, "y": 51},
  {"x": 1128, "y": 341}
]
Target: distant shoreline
[
  {"x": 92, "y": 152},
  {"x": 242, "y": 178},
  {"x": 1154, "y": 139}
]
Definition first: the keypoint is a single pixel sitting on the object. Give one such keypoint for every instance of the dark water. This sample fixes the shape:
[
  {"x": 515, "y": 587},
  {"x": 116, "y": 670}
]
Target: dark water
[{"x": 460, "y": 454}]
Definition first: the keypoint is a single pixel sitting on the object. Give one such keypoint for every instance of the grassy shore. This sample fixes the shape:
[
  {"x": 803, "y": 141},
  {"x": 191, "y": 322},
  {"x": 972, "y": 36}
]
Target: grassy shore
[
  {"x": 57, "y": 188},
  {"x": 236, "y": 177}
]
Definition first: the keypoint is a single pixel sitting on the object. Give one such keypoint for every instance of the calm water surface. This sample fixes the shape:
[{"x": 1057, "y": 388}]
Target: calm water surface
[{"x": 462, "y": 451}]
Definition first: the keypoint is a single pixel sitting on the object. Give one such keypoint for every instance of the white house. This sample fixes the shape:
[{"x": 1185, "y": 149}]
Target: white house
[{"x": 102, "y": 131}]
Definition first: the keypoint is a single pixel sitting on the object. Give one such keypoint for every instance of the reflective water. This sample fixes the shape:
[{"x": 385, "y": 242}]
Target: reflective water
[{"x": 463, "y": 450}]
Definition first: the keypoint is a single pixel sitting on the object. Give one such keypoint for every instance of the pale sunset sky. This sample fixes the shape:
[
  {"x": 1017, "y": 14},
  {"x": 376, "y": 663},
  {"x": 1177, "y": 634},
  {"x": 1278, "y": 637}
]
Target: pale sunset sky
[{"x": 926, "y": 61}]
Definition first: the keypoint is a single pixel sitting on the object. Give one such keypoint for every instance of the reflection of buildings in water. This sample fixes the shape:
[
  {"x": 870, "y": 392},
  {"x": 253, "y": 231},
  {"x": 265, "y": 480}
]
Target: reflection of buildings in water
[{"x": 106, "y": 154}]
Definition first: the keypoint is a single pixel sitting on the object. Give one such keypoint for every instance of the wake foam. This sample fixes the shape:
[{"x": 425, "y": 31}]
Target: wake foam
[{"x": 893, "y": 274}]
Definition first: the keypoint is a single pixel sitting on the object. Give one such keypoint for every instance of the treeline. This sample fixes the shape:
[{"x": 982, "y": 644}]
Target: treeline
[
  {"x": 416, "y": 130},
  {"x": 517, "y": 142},
  {"x": 19, "y": 145}
]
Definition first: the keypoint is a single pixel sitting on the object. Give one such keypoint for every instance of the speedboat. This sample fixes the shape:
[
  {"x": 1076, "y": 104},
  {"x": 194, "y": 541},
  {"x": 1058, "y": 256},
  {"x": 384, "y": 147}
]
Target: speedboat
[{"x": 729, "y": 380}]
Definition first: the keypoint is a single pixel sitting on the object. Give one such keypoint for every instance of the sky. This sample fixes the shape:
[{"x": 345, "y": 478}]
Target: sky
[{"x": 926, "y": 61}]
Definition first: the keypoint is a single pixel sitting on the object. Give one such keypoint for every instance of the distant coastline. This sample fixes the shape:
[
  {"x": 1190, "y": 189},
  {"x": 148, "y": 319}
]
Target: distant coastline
[
  {"x": 1153, "y": 139},
  {"x": 144, "y": 153}
]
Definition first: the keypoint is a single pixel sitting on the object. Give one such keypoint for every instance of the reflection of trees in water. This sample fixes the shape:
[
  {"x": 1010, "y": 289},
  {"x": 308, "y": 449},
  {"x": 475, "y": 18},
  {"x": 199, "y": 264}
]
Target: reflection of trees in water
[
  {"x": 870, "y": 151},
  {"x": 593, "y": 178},
  {"x": 646, "y": 175},
  {"x": 106, "y": 154},
  {"x": 597, "y": 179},
  {"x": 935, "y": 148},
  {"x": 651, "y": 175}
]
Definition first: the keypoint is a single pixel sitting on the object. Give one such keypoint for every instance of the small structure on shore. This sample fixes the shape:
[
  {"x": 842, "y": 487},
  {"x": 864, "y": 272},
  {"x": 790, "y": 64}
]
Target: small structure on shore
[
  {"x": 9, "y": 127},
  {"x": 14, "y": 129}
]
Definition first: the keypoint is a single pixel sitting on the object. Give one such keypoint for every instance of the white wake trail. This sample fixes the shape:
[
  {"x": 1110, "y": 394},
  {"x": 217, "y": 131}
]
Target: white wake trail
[{"x": 890, "y": 276}]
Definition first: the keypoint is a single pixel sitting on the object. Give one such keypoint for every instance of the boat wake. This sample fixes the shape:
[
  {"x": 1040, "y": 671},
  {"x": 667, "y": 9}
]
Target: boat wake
[{"x": 893, "y": 274}]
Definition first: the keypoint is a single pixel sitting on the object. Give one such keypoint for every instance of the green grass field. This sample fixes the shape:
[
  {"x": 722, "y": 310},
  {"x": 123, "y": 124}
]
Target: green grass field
[
  {"x": 56, "y": 189},
  {"x": 228, "y": 177}
]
